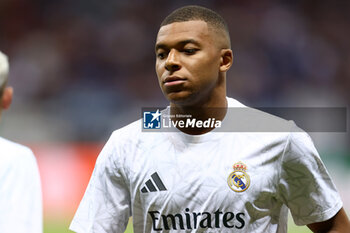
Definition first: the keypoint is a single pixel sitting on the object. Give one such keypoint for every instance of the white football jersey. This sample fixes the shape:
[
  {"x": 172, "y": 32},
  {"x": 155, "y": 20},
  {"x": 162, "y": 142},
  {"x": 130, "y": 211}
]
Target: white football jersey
[
  {"x": 20, "y": 190},
  {"x": 215, "y": 182}
]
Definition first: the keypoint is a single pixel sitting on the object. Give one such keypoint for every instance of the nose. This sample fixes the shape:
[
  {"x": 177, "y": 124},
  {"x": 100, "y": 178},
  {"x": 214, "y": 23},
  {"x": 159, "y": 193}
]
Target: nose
[{"x": 172, "y": 62}]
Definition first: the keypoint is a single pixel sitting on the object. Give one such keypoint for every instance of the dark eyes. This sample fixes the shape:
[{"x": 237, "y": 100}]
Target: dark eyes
[
  {"x": 190, "y": 51},
  {"x": 163, "y": 55}
]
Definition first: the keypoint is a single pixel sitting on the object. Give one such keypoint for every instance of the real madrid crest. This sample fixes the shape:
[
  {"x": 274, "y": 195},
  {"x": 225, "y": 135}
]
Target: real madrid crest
[{"x": 239, "y": 180}]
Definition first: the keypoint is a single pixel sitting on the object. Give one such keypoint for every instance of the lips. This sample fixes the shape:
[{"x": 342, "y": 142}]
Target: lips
[{"x": 173, "y": 80}]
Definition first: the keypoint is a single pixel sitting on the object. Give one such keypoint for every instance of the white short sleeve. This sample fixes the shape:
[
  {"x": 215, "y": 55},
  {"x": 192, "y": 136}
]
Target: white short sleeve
[
  {"x": 20, "y": 190},
  {"x": 305, "y": 185},
  {"x": 105, "y": 206}
]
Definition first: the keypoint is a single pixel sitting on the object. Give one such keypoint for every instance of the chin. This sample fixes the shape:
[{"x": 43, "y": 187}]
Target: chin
[
  {"x": 177, "y": 96},
  {"x": 180, "y": 98}
]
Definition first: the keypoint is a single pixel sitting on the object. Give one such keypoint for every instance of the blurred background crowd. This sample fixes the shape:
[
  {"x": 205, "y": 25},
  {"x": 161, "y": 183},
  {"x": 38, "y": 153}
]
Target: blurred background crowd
[{"x": 83, "y": 68}]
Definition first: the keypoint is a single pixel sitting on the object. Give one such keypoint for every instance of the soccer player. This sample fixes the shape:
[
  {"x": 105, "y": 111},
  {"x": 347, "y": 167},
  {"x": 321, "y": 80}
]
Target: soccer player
[
  {"x": 20, "y": 188},
  {"x": 197, "y": 179}
]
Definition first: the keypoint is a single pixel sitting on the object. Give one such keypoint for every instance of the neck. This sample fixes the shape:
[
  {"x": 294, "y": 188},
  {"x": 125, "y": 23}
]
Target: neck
[{"x": 213, "y": 109}]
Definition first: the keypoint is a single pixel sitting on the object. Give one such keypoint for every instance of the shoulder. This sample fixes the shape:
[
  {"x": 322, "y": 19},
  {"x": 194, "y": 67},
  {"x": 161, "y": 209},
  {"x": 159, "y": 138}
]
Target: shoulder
[
  {"x": 133, "y": 134},
  {"x": 246, "y": 119},
  {"x": 127, "y": 135},
  {"x": 129, "y": 131},
  {"x": 16, "y": 158},
  {"x": 14, "y": 151},
  {"x": 128, "y": 140}
]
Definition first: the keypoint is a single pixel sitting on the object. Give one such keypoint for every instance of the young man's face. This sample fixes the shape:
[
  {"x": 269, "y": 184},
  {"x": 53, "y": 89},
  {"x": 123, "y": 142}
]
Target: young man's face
[{"x": 188, "y": 61}]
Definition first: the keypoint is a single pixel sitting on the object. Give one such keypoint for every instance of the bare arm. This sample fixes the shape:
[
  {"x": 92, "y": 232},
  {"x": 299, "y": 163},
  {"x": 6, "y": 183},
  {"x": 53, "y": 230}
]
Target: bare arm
[{"x": 339, "y": 223}]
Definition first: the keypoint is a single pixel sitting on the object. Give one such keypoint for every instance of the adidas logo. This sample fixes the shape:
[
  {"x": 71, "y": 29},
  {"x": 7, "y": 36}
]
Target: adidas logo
[{"x": 152, "y": 184}]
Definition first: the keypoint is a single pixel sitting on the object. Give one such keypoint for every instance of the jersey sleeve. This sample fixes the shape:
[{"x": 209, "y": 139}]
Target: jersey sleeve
[
  {"x": 105, "y": 206},
  {"x": 305, "y": 185},
  {"x": 20, "y": 192}
]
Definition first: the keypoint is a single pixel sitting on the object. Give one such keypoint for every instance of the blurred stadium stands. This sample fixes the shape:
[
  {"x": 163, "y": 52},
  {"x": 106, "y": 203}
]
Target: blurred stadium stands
[{"x": 80, "y": 69}]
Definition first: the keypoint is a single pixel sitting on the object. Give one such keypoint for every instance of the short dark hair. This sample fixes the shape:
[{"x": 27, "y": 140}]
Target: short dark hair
[{"x": 193, "y": 12}]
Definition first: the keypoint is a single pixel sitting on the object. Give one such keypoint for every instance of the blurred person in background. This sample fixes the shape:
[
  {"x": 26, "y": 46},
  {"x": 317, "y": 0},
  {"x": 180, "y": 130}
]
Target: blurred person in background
[
  {"x": 20, "y": 187},
  {"x": 183, "y": 181}
]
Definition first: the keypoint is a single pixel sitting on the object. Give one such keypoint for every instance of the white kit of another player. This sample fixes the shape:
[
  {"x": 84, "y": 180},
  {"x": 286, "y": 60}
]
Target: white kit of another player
[{"x": 20, "y": 188}]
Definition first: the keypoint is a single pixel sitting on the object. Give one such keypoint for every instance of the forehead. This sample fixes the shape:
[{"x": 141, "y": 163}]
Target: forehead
[{"x": 179, "y": 31}]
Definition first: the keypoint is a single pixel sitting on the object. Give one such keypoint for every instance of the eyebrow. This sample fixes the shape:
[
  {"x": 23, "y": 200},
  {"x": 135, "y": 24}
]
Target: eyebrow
[{"x": 183, "y": 42}]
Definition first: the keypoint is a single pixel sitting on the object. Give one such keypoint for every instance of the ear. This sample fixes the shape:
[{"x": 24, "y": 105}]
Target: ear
[
  {"x": 226, "y": 60},
  {"x": 6, "y": 98}
]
